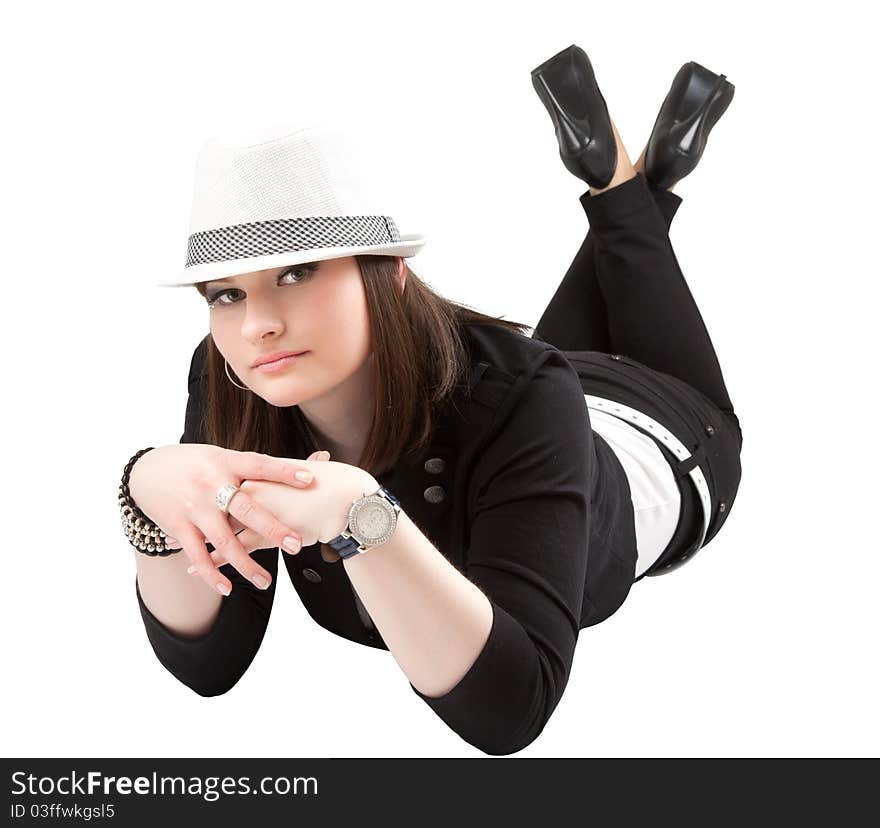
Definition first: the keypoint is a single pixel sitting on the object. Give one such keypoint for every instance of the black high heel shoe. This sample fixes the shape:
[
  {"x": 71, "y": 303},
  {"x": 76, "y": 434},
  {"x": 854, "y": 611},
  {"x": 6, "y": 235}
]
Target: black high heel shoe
[
  {"x": 697, "y": 99},
  {"x": 567, "y": 86}
]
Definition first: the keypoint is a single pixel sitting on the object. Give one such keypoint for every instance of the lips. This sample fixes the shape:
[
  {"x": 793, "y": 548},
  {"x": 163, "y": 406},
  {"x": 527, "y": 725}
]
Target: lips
[{"x": 275, "y": 356}]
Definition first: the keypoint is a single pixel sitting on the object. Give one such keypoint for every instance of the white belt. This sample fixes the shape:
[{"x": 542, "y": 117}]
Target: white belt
[{"x": 631, "y": 415}]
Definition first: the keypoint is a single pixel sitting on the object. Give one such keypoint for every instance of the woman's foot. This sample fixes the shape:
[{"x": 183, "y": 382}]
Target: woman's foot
[
  {"x": 566, "y": 85},
  {"x": 697, "y": 99}
]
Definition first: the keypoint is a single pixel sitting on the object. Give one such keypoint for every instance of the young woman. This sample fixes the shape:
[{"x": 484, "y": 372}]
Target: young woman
[{"x": 507, "y": 490}]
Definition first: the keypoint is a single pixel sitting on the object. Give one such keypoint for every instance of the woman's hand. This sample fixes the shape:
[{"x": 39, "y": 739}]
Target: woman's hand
[
  {"x": 319, "y": 513},
  {"x": 176, "y": 487},
  {"x": 247, "y": 536}
]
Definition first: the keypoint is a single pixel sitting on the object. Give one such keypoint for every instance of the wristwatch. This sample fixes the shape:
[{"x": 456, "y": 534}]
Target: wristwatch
[{"x": 372, "y": 520}]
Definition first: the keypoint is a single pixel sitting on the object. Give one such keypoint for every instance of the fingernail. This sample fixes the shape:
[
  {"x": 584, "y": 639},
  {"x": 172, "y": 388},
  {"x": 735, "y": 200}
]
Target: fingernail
[
  {"x": 291, "y": 544},
  {"x": 260, "y": 581},
  {"x": 305, "y": 476},
  {"x": 325, "y": 455},
  {"x": 223, "y": 589},
  {"x": 190, "y": 569}
]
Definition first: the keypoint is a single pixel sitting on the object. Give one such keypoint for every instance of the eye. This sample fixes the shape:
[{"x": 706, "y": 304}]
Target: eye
[{"x": 304, "y": 270}]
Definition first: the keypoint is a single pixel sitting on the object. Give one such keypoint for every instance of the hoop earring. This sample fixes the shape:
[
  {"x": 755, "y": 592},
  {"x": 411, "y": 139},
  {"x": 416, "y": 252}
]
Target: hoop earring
[{"x": 226, "y": 366}]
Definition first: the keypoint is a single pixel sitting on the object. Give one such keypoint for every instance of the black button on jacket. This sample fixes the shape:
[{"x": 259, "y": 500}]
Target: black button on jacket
[{"x": 517, "y": 492}]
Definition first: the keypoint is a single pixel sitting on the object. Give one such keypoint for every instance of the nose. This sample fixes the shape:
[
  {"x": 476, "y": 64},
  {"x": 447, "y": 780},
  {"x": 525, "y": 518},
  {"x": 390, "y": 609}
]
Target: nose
[{"x": 262, "y": 318}]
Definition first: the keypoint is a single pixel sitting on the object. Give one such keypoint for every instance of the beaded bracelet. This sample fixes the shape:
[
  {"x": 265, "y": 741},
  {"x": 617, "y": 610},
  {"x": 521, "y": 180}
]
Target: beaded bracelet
[{"x": 141, "y": 532}]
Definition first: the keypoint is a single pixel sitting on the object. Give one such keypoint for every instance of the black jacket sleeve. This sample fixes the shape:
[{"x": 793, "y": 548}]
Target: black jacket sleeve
[
  {"x": 213, "y": 663},
  {"x": 528, "y": 553}
]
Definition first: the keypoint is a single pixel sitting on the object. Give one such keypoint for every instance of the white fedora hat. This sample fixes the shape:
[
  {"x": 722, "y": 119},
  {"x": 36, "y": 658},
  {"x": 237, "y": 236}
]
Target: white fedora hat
[{"x": 280, "y": 196}]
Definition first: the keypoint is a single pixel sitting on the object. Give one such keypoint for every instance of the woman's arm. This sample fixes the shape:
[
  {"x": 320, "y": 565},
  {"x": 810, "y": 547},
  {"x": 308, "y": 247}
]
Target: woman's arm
[
  {"x": 209, "y": 659},
  {"x": 490, "y": 649},
  {"x": 203, "y": 639},
  {"x": 433, "y": 619}
]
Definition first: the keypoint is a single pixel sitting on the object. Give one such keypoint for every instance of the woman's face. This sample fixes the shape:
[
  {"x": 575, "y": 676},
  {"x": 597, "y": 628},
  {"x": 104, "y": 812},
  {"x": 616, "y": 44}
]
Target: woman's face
[{"x": 319, "y": 308}]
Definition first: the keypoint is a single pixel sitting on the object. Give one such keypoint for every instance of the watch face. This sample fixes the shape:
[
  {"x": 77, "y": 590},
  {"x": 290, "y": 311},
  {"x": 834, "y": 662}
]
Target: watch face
[{"x": 373, "y": 521}]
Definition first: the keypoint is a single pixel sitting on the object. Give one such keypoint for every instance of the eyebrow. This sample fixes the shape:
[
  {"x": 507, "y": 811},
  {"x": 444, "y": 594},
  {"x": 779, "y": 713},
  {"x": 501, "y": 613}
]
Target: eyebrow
[{"x": 228, "y": 279}]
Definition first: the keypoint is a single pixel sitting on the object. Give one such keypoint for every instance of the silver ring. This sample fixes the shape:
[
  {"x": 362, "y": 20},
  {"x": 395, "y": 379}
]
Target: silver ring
[{"x": 224, "y": 495}]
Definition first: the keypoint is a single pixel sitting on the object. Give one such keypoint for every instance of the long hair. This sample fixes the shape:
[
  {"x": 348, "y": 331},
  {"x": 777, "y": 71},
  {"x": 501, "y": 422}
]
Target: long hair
[{"x": 419, "y": 358}]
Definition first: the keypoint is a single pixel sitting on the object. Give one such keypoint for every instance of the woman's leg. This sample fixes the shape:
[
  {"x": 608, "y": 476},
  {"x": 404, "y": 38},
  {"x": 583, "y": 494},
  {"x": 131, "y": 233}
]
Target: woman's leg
[
  {"x": 652, "y": 316},
  {"x": 648, "y": 311},
  {"x": 576, "y": 318}
]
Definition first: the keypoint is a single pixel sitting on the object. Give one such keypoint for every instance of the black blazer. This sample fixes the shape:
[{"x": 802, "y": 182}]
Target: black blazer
[{"x": 517, "y": 492}]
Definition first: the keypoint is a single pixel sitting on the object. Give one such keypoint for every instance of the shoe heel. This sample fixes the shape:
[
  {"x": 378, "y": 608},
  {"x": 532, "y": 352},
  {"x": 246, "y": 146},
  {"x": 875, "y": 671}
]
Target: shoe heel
[{"x": 688, "y": 135}]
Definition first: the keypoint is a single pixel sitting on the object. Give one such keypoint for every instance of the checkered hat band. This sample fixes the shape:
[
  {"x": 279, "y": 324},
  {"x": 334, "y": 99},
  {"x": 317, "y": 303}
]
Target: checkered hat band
[{"x": 265, "y": 238}]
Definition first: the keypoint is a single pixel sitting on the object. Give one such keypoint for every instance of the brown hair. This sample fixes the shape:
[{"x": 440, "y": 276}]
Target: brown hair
[{"x": 418, "y": 324}]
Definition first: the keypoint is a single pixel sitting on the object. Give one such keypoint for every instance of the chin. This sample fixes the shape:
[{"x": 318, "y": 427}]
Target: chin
[
  {"x": 284, "y": 400},
  {"x": 284, "y": 397}
]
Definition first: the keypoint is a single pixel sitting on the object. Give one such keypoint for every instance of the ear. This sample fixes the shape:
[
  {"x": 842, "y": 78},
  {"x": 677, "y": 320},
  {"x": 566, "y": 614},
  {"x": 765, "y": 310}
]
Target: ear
[{"x": 401, "y": 273}]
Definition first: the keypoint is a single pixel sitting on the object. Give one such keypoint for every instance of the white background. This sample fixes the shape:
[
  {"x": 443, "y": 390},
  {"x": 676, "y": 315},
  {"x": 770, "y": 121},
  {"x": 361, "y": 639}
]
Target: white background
[{"x": 763, "y": 645}]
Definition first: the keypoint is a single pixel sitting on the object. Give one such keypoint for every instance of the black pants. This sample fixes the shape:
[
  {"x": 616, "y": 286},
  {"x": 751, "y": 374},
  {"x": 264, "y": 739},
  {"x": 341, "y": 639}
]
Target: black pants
[{"x": 625, "y": 294}]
